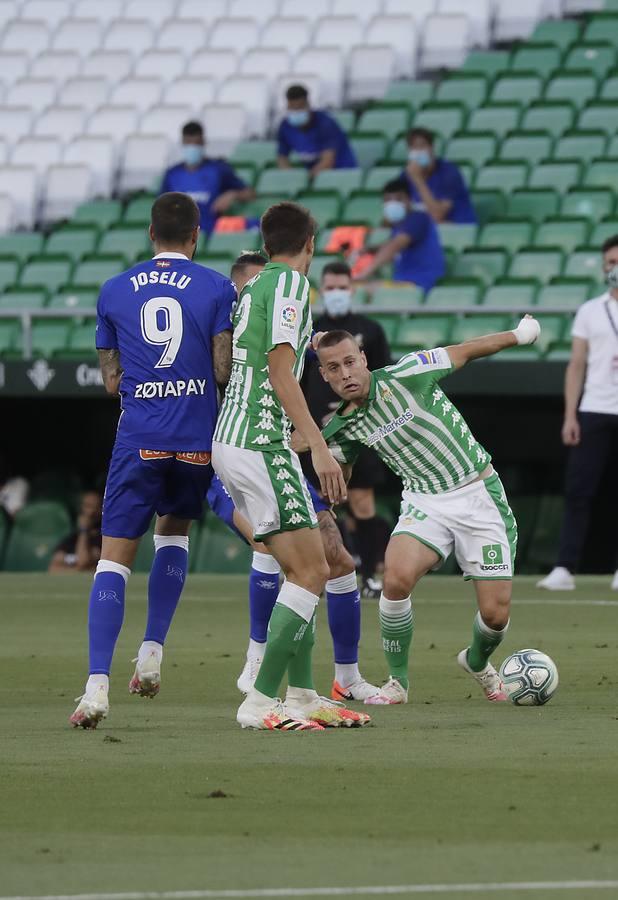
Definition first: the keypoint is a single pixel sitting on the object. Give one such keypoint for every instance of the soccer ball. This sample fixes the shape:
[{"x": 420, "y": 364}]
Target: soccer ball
[{"x": 530, "y": 677}]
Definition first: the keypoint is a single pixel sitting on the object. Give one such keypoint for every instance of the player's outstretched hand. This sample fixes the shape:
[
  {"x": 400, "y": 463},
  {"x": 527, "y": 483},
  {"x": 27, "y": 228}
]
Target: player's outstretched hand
[
  {"x": 527, "y": 331},
  {"x": 328, "y": 470}
]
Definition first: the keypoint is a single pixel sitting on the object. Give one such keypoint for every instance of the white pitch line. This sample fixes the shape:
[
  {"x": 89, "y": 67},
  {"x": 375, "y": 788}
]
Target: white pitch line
[
  {"x": 484, "y": 887},
  {"x": 562, "y": 601}
]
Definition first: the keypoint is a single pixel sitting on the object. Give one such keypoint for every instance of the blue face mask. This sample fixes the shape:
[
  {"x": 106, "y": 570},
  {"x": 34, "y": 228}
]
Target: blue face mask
[
  {"x": 192, "y": 154},
  {"x": 422, "y": 157},
  {"x": 337, "y": 302},
  {"x": 394, "y": 211},
  {"x": 298, "y": 117}
]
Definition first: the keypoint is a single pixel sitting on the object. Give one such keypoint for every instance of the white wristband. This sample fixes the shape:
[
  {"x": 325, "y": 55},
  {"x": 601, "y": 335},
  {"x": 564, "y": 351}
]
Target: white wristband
[{"x": 527, "y": 331}]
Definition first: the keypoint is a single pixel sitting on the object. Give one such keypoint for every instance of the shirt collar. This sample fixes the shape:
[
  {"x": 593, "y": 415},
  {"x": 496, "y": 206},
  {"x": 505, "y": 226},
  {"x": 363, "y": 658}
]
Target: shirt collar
[{"x": 169, "y": 255}]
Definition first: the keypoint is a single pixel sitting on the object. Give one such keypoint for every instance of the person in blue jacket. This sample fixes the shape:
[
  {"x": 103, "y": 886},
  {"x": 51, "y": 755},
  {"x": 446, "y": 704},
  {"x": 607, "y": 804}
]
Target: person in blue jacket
[
  {"x": 312, "y": 136},
  {"x": 436, "y": 185}
]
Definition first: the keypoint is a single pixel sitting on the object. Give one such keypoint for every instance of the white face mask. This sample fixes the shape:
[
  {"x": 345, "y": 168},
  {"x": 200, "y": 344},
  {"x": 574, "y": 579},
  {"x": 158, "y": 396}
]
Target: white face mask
[
  {"x": 611, "y": 278},
  {"x": 337, "y": 302},
  {"x": 394, "y": 211},
  {"x": 421, "y": 157}
]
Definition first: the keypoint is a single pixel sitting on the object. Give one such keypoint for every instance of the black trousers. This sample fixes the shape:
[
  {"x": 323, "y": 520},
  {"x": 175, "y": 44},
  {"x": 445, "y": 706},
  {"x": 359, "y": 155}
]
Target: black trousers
[{"x": 585, "y": 467}]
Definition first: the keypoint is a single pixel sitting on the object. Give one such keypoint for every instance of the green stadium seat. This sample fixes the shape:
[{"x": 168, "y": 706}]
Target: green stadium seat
[
  {"x": 529, "y": 145},
  {"x": 580, "y": 145},
  {"x": 389, "y": 322},
  {"x": 94, "y": 270},
  {"x": 474, "y": 148},
  {"x": 455, "y": 293},
  {"x": 508, "y": 235},
  {"x": 612, "y": 147},
  {"x": 540, "y": 58},
  {"x": 49, "y": 336},
  {"x": 595, "y": 58},
  {"x": 390, "y": 120},
  {"x": 456, "y": 237},
  {"x": 584, "y": 263},
  {"x": 285, "y": 182},
  {"x": 363, "y": 208},
  {"x": 325, "y": 206},
  {"x": 9, "y": 270},
  {"x": 516, "y": 87},
  {"x": 565, "y": 233},
  {"x": 414, "y": 93},
  {"x": 469, "y": 327},
  {"x": 398, "y": 152},
  {"x": 517, "y": 354},
  {"x": 488, "y": 204},
  {"x": 345, "y": 118},
  {"x": 591, "y": 203},
  {"x": 219, "y": 550},
  {"x": 443, "y": 118},
  {"x": 422, "y": 332},
  {"x": 220, "y": 262},
  {"x": 461, "y": 87},
  {"x": 233, "y": 242},
  {"x": 602, "y": 27},
  {"x": 23, "y": 298},
  {"x": 21, "y": 245},
  {"x": 553, "y": 328},
  {"x": 72, "y": 241},
  {"x": 10, "y": 331},
  {"x": 317, "y": 264},
  {"x": 81, "y": 340},
  {"x": 552, "y": 116},
  {"x": 132, "y": 243},
  {"x": 37, "y": 530},
  {"x": 559, "y": 351},
  {"x": 369, "y": 148},
  {"x": 344, "y": 181},
  {"x": 602, "y": 173},
  {"x": 602, "y": 231},
  {"x": 602, "y": 115},
  {"x": 487, "y": 62},
  {"x": 542, "y": 264},
  {"x": 497, "y": 118},
  {"x": 569, "y": 292},
  {"x": 247, "y": 173},
  {"x": 514, "y": 294},
  {"x": 101, "y": 213},
  {"x": 609, "y": 88},
  {"x": 257, "y": 153},
  {"x": 561, "y": 175},
  {"x": 256, "y": 207},
  {"x": 502, "y": 175},
  {"x": 138, "y": 210},
  {"x": 533, "y": 203},
  {"x": 74, "y": 298},
  {"x": 485, "y": 265},
  {"x": 398, "y": 298},
  {"x": 577, "y": 87},
  {"x": 49, "y": 272},
  {"x": 560, "y": 32},
  {"x": 377, "y": 177}
]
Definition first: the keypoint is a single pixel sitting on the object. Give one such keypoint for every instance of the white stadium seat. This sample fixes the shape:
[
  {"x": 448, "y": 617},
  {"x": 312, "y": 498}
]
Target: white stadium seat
[
  {"x": 64, "y": 122},
  {"x": 291, "y": 33},
  {"x": 571, "y": 7},
  {"x": 37, "y": 93},
  {"x": 365, "y": 10},
  {"x": 243, "y": 9},
  {"x": 156, "y": 11},
  {"x": 115, "y": 121},
  {"x": 225, "y": 126},
  {"x": 31, "y": 36},
  {"x": 445, "y": 41},
  {"x": 198, "y": 9},
  {"x": 252, "y": 92},
  {"x": 370, "y": 69},
  {"x": 268, "y": 62},
  {"x": 112, "y": 65},
  {"x": 215, "y": 64},
  {"x": 95, "y": 9},
  {"x": 517, "y": 20},
  {"x": 134, "y": 35},
  {"x": 20, "y": 183},
  {"x": 314, "y": 9},
  {"x": 55, "y": 65},
  {"x": 186, "y": 35},
  {"x": 13, "y": 65},
  {"x": 66, "y": 186},
  {"x": 417, "y": 9},
  {"x": 166, "y": 119},
  {"x": 241, "y": 34},
  {"x": 479, "y": 13},
  {"x": 9, "y": 9},
  {"x": 97, "y": 153},
  {"x": 50, "y": 11},
  {"x": 338, "y": 31},
  {"x": 16, "y": 122},
  {"x": 400, "y": 33},
  {"x": 328, "y": 65},
  {"x": 194, "y": 92},
  {"x": 163, "y": 64},
  {"x": 4, "y": 151},
  {"x": 89, "y": 93},
  {"x": 139, "y": 92},
  {"x": 145, "y": 157},
  {"x": 310, "y": 80},
  {"x": 7, "y": 215},
  {"x": 82, "y": 36},
  {"x": 38, "y": 152}
]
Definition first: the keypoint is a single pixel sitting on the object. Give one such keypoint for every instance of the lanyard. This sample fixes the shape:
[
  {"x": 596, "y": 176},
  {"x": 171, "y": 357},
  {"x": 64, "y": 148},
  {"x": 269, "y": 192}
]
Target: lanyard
[{"x": 611, "y": 318}]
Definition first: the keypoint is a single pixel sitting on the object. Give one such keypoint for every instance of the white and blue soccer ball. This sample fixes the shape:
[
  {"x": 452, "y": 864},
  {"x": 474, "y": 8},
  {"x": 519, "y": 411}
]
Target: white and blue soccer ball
[{"x": 530, "y": 678}]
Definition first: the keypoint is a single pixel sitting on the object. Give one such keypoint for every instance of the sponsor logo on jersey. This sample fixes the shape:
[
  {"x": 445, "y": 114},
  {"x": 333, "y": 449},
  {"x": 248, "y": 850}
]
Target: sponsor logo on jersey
[
  {"x": 427, "y": 357},
  {"x": 493, "y": 558},
  {"x": 149, "y": 390},
  {"x": 288, "y": 317},
  {"x": 385, "y": 392},
  {"x": 391, "y": 426},
  {"x": 163, "y": 264}
]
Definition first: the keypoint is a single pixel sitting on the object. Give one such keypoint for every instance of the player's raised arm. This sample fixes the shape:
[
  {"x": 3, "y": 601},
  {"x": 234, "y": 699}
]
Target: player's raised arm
[{"x": 526, "y": 332}]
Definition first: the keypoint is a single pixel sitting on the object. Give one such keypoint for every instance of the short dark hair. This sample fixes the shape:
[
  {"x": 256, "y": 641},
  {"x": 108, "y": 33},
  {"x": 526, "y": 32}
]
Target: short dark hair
[
  {"x": 610, "y": 243},
  {"x": 332, "y": 338},
  {"x": 247, "y": 258},
  {"x": 173, "y": 217},
  {"x": 338, "y": 267},
  {"x": 297, "y": 92},
  {"x": 424, "y": 133},
  {"x": 286, "y": 228},
  {"x": 396, "y": 186},
  {"x": 192, "y": 129}
]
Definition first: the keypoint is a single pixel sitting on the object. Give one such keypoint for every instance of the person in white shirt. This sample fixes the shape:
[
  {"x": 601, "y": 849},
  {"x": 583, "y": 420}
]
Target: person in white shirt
[{"x": 590, "y": 426}]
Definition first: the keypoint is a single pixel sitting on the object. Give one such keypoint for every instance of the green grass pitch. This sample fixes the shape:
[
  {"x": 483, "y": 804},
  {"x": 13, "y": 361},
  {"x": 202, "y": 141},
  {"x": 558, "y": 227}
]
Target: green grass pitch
[{"x": 447, "y": 789}]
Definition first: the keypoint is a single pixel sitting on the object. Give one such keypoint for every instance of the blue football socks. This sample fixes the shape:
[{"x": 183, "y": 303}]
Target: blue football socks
[
  {"x": 105, "y": 614},
  {"x": 344, "y": 617},
  {"x": 167, "y": 579},
  {"x": 263, "y": 592}
]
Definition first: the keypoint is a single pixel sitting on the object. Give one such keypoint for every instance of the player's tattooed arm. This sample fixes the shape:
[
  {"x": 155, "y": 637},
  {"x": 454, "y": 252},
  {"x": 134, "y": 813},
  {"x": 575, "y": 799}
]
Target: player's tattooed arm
[
  {"x": 111, "y": 370},
  {"x": 222, "y": 357}
]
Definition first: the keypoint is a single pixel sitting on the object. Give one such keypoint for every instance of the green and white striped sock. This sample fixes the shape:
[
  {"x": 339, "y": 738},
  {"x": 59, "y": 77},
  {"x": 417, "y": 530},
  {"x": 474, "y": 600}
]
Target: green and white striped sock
[
  {"x": 484, "y": 642},
  {"x": 397, "y": 627}
]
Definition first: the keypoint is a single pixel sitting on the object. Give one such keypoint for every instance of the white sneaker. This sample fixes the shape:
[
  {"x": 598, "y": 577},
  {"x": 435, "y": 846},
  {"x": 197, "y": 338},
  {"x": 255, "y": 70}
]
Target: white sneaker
[
  {"x": 394, "y": 692},
  {"x": 559, "y": 579},
  {"x": 92, "y": 707},
  {"x": 614, "y": 584},
  {"x": 488, "y": 678},
  {"x": 146, "y": 679},
  {"x": 269, "y": 714},
  {"x": 247, "y": 677},
  {"x": 360, "y": 690},
  {"x": 308, "y": 704}
]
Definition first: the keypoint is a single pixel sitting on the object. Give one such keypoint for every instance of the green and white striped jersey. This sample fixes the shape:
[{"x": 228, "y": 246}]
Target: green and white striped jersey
[
  {"x": 273, "y": 309},
  {"x": 412, "y": 426}
]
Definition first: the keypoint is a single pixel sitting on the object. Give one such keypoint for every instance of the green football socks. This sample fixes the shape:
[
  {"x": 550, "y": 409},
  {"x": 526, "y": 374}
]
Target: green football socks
[
  {"x": 397, "y": 627},
  {"x": 484, "y": 642},
  {"x": 286, "y": 630},
  {"x": 300, "y": 668}
]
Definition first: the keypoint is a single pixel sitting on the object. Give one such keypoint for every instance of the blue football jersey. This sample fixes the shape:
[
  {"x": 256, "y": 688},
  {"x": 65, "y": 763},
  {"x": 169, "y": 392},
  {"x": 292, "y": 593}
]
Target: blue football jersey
[{"x": 162, "y": 315}]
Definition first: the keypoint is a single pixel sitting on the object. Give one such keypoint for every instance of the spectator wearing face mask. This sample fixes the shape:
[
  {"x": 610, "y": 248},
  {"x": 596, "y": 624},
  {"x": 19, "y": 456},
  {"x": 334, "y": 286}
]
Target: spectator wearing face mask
[
  {"x": 435, "y": 184},
  {"x": 312, "y": 136},
  {"x": 212, "y": 183},
  {"x": 337, "y": 296},
  {"x": 413, "y": 247}
]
